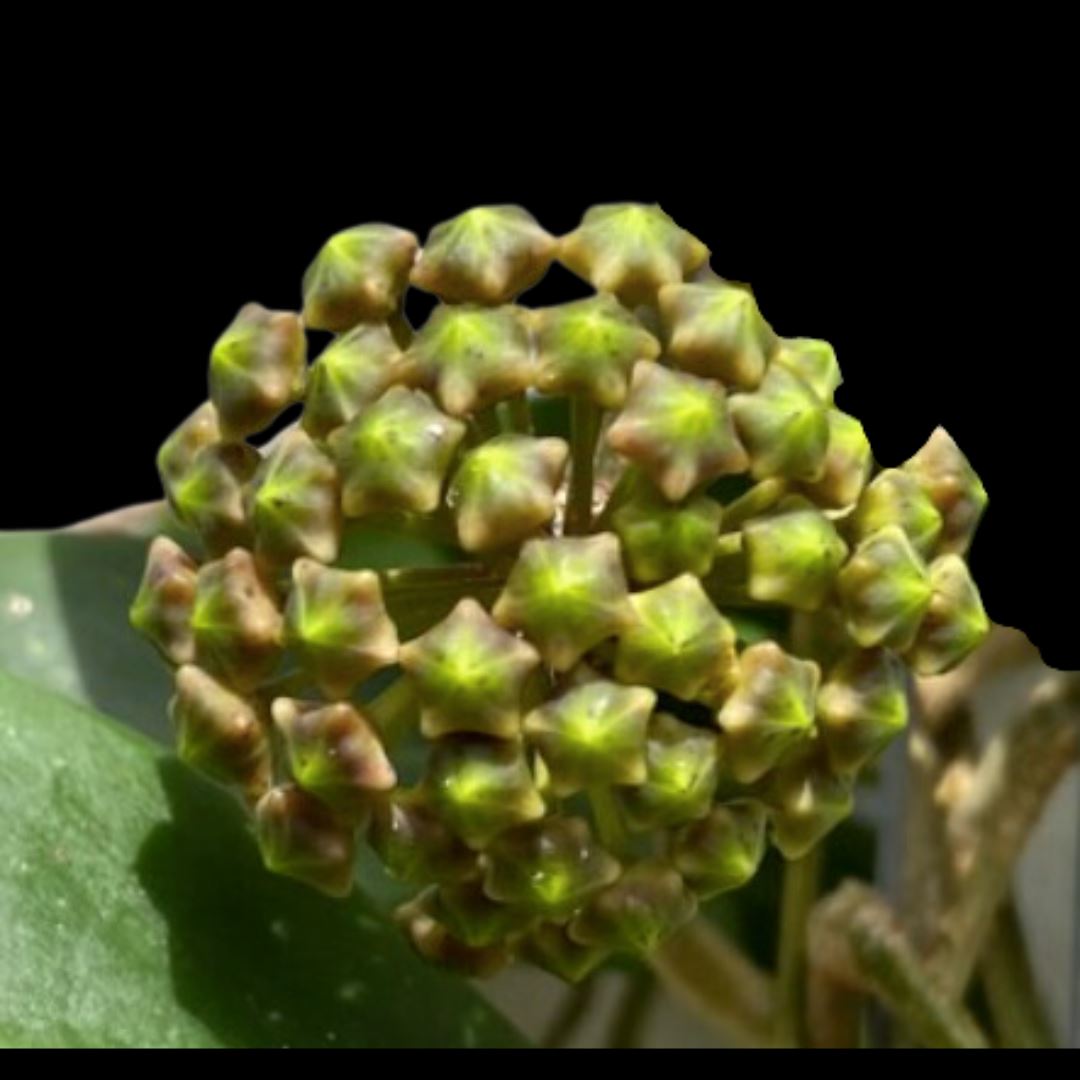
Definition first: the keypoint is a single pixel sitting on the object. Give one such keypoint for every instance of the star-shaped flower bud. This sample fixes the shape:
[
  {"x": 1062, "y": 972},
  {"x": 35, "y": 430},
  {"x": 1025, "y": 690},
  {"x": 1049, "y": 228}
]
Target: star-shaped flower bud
[
  {"x": 471, "y": 356},
  {"x": 434, "y": 942},
  {"x": 256, "y": 369},
  {"x": 549, "y": 947},
  {"x": 792, "y": 558},
  {"x": 481, "y": 787},
  {"x": 334, "y": 754},
  {"x": 806, "y": 800},
  {"x": 632, "y": 250},
  {"x": 894, "y": 497},
  {"x": 770, "y": 712},
  {"x": 178, "y": 451},
  {"x": 885, "y": 590},
  {"x": 566, "y": 595},
  {"x": 593, "y": 735},
  {"x": 414, "y": 844},
  {"x": 814, "y": 362},
  {"x": 295, "y": 503},
  {"x": 548, "y": 868},
  {"x": 219, "y": 733},
  {"x": 162, "y": 607},
  {"x": 645, "y": 906},
  {"x": 504, "y": 490},
  {"x": 954, "y": 488},
  {"x": 358, "y": 276},
  {"x": 300, "y": 838},
  {"x": 477, "y": 920},
  {"x": 848, "y": 461},
  {"x": 723, "y": 850},
  {"x": 784, "y": 426},
  {"x": 352, "y": 372},
  {"x": 677, "y": 641},
  {"x": 395, "y": 454},
  {"x": 862, "y": 706},
  {"x": 715, "y": 329},
  {"x": 486, "y": 255},
  {"x": 237, "y": 626},
  {"x": 469, "y": 674},
  {"x": 337, "y": 623},
  {"x": 678, "y": 429},
  {"x": 588, "y": 348},
  {"x": 955, "y": 623},
  {"x": 681, "y": 763}
]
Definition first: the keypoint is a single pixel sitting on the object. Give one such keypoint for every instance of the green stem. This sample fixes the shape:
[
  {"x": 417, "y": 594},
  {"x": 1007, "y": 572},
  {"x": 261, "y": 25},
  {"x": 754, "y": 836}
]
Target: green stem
[
  {"x": 761, "y": 497},
  {"x": 801, "y": 882},
  {"x": 584, "y": 432},
  {"x": 628, "y": 1020},
  {"x": 609, "y": 822},
  {"x": 484, "y": 425},
  {"x": 394, "y": 710},
  {"x": 516, "y": 416},
  {"x": 575, "y": 1005},
  {"x": 424, "y": 579}
]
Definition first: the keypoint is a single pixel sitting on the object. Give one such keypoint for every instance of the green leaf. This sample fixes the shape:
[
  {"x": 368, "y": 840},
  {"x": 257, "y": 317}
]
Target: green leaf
[{"x": 136, "y": 912}]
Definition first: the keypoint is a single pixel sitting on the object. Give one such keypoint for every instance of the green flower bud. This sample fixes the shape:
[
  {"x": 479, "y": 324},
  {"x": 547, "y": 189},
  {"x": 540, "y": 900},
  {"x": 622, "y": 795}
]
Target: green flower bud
[
  {"x": 806, "y": 801},
  {"x": 300, "y": 838},
  {"x": 256, "y": 369},
  {"x": 566, "y": 595},
  {"x": 549, "y": 947},
  {"x": 632, "y": 250},
  {"x": 645, "y": 906},
  {"x": 162, "y": 607},
  {"x": 792, "y": 558},
  {"x": 337, "y": 623},
  {"x": 723, "y": 850},
  {"x": 351, "y": 373},
  {"x": 894, "y": 497},
  {"x": 784, "y": 426},
  {"x": 469, "y": 674},
  {"x": 594, "y": 734},
  {"x": 716, "y": 330},
  {"x": 681, "y": 764},
  {"x": 358, "y": 276},
  {"x": 237, "y": 626},
  {"x": 471, "y": 356},
  {"x": 848, "y": 462},
  {"x": 677, "y": 428},
  {"x": 219, "y": 733},
  {"x": 486, "y": 255},
  {"x": 548, "y": 868},
  {"x": 814, "y": 362},
  {"x": 295, "y": 503},
  {"x": 885, "y": 590},
  {"x": 178, "y": 451},
  {"x": 955, "y": 623},
  {"x": 481, "y": 787},
  {"x": 434, "y": 942},
  {"x": 946, "y": 475},
  {"x": 477, "y": 920},
  {"x": 862, "y": 706},
  {"x": 504, "y": 490},
  {"x": 588, "y": 348},
  {"x": 677, "y": 641},
  {"x": 770, "y": 712},
  {"x": 414, "y": 844},
  {"x": 395, "y": 454},
  {"x": 334, "y": 754}
]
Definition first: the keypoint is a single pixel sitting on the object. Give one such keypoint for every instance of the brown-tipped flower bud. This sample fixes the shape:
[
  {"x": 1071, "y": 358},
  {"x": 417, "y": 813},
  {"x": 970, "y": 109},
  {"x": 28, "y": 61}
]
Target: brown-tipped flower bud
[
  {"x": 848, "y": 462},
  {"x": 334, "y": 754},
  {"x": 162, "y": 607},
  {"x": 632, "y": 250},
  {"x": 486, "y": 255},
  {"x": 885, "y": 590},
  {"x": 862, "y": 706},
  {"x": 894, "y": 497},
  {"x": 395, "y": 454},
  {"x": 806, "y": 801},
  {"x": 677, "y": 428},
  {"x": 504, "y": 490},
  {"x": 594, "y": 734},
  {"x": 770, "y": 712},
  {"x": 434, "y": 942},
  {"x": 414, "y": 843},
  {"x": 792, "y": 558},
  {"x": 814, "y": 362},
  {"x": 946, "y": 475},
  {"x": 295, "y": 503},
  {"x": 677, "y": 641},
  {"x": 236, "y": 622},
  {"x": 955, "y": 623},
  {"x": 300, "y": 838},
  {"x": 256, "y": 369},
  {"x": 469, "y": 674},
  {"x": 566, "y": 595},
  {"x": 476, "y": 919},
  {"x": 715, "y": 329},
  {"x": 352, "y": 372},
  {"x": 471, "y": 356},
  {"x": 358, "y": 275},
  {"x": 178, "y": 451},
  {"x": 723, "y": 850},
  {"x": 337, "y": 623},
  {"x": 548, "y": 946}
]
